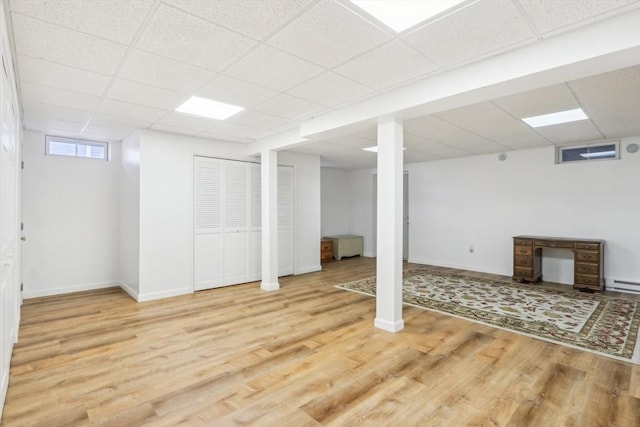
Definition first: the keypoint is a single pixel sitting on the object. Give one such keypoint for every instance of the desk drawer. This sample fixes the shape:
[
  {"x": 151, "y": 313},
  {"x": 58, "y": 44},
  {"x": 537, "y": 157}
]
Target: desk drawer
[
  {"x": 587, "y": 268},
  {"x": 588, "y": 256},
  {"x": 554, "y": 244},
  {"x": 587, "y": 280},
  {"x": 522, "y": 242},
  {"x": 523, "y": 250},
  {"x": 523, "y": 261},
  {"x": 523, "y": 272},
  {"x": 588, "y": 246}
]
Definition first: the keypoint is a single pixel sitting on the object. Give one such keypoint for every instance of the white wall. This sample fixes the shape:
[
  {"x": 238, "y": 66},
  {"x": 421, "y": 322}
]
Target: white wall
[
  {"x": 361, "y": 188},
  {"x": 166, "y": 209},
  {"x": 335, "y": 201},
  {"x": 306, "y": 213},
  {"x": 71, "y": 220},
  {"x": 129, "y": 252},
  {"x": 483, "y": 202}
]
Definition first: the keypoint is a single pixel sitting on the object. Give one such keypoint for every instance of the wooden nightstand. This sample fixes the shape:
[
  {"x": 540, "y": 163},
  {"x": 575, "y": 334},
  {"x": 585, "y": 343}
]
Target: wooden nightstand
[{"x": 326, "y": 250}]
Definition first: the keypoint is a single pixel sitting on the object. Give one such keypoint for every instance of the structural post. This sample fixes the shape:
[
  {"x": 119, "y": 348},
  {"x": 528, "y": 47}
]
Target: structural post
[
  {"x": 269, "y": 181},
  {"x": 389, "y": 245}
]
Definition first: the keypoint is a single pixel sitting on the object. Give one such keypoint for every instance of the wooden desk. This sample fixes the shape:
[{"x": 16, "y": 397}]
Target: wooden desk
[{"x": 588, "y": 259}]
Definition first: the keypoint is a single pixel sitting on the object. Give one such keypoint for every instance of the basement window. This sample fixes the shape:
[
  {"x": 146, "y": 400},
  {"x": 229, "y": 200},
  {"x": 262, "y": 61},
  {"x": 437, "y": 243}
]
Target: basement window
[
  {"x": 588, "y": 152},
  {"x": 59, "y": 146}
]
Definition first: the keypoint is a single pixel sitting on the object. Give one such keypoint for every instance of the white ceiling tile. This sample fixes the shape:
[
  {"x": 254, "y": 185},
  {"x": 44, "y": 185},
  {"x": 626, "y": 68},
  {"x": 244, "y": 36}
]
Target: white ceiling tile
[
  {"x": 257, "y": 120},
  {"x": 551, "y": 15},
  {"x": 116, "y": 20},
  {"x": 269, "y": 67},
  {"x": 55, "y": 112},
  {"x": 118, "y": 121},
  {"x": 617, "y": 121},
  {"x": 136, "y": 93},
  {"x": 185, "y": 121},
  {"x": 628, "y": 75},
  {"x": 57, "y": 44},
  {"x": 330, "y": 89},
  {"x": 443, "y": 132},
  {"x": 567, "y": 133},
  {"x": 45, "y": 73},
  {"x": 235, "y": 92},
  {"x": 546, "y": 100},
  {"x": 174, "y": 129},
  {"x": 130, "y": 111},
  {"x": 107, "y": 133},
  {"x": 223, "y": 127},
  {"x": 59, "y": 97},
  {"x": 411, "y": 156},
  {"x": 482, "y": 28},
  {"x": 227, "y": 138},
  {"x": 154, "y": 70},
  {"x": 290, "y": 107},
  {"x": 424, "y": 145},
  {"x": 388, "y": 65},
  {"x": 52, "y": 126},
  {"x": 352, "y": 141},
  {"x": 488, "y": 121},
  {"x": 183, "y": 37},
  {"x": 256, "y": 19},
  {"x": 328, "y": 34}
]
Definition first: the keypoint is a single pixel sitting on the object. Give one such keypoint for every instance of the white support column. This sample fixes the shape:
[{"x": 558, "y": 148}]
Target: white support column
[
  {"x": 389, "y": 245},
  {"x": 269, "y": 181}
]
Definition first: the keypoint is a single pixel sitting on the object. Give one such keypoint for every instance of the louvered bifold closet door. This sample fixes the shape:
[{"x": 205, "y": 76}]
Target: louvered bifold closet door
[
  {"x": 236, "y": 222},
  {"x": 285, "y": 220},
  {"x": 228, "y": 222},
  {"x": 209, "y": 238},
  {"x": 255, "y": 225}
]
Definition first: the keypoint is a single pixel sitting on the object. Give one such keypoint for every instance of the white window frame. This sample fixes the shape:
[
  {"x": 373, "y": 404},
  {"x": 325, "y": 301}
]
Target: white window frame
[
  {"x": 76, "y": 143},
  {"x": 561, "y": 148}
]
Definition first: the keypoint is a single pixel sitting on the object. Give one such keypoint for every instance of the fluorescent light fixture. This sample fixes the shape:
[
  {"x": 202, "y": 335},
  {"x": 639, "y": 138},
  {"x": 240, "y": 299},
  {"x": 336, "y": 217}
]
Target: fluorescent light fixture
[
  {"x": 556, "y": 118},
  {"x": 402, "y": 14},
  {"x": 208, "y": 108},
  {"x": 374, "y": 149},
  {"x": 598, "y": 154}
]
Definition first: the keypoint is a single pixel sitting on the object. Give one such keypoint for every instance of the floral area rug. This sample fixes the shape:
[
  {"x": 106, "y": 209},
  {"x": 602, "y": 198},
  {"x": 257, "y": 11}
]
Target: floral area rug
[{"x": 595, "y": 322}]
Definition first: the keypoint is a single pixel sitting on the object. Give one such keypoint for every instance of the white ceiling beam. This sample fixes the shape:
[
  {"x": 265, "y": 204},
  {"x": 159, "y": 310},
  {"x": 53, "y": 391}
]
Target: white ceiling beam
[{"x": 598, "y": 48}]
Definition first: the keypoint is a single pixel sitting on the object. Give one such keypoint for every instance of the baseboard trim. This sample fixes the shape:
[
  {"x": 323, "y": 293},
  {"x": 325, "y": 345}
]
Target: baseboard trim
[
  {"x": 129, "y": 290},
  {"x": 388, "y": 326},
  {"x": 71, "y": 289},
  {"x": 311, "y": 269},
  {"x": 164, "y": 294},
  {"x": 458, "y": 266}
]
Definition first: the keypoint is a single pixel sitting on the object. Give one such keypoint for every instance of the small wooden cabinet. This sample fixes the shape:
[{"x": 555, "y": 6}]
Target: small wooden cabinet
[
  {"x": 326, "y": 250},
  {"x": 588, "y": 268}
]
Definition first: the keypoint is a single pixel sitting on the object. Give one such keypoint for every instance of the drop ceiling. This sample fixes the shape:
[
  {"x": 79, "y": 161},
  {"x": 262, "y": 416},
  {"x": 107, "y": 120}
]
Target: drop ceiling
[{"x": 101, "y": 69}]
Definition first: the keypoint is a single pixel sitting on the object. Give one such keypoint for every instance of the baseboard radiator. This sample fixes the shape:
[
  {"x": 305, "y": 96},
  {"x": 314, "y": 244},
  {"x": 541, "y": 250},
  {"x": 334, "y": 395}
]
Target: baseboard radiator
[{"x": 623, "y": 286}]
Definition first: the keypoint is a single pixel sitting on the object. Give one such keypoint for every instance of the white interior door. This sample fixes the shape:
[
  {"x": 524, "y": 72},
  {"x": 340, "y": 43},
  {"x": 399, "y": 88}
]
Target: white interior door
[{"x": 9, "y": 208}]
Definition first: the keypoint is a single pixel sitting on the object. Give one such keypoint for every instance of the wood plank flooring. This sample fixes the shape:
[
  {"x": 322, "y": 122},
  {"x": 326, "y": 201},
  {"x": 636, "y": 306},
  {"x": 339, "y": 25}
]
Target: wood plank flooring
[{"x": 306, "y": 355}]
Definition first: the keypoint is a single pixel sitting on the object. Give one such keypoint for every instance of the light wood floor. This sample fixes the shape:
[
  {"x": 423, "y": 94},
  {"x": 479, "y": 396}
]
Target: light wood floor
[{"x": 306, "y": 355}]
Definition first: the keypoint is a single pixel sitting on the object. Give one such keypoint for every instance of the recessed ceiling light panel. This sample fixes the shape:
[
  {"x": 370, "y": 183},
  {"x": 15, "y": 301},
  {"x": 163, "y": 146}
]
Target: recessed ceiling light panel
[
  {"x": 208, "y": 108},
  {"x": 556, "y": 118},
  {"x": 402, "y": 14}
]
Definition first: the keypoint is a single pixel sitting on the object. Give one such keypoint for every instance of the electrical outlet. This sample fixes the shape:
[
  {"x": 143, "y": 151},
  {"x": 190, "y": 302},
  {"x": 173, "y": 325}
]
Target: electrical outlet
[{"x": 472, "y": 249}]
